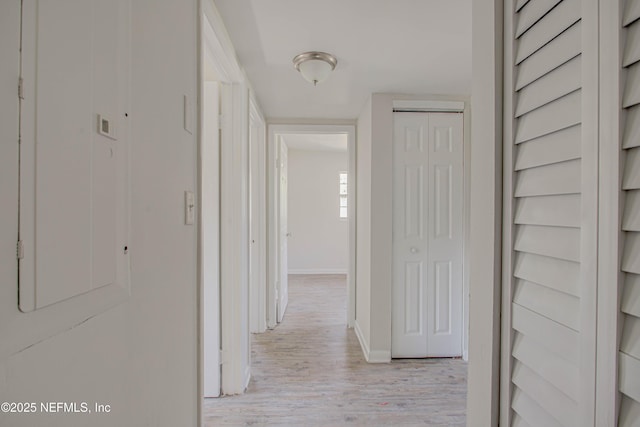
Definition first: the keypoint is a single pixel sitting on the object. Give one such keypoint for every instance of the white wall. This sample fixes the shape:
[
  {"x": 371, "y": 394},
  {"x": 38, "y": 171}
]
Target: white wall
[
  {"x": 319, "y": 239},
  {"x": 140, "y": 356}
]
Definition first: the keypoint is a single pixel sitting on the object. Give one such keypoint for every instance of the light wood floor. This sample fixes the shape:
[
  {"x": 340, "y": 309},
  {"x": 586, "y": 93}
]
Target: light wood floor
[{"x": 310, "y": 371}]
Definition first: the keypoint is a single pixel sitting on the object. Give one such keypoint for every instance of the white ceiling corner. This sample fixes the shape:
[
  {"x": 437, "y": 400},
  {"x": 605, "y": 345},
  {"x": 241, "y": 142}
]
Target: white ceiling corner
[{"x": 399, "y": 46}]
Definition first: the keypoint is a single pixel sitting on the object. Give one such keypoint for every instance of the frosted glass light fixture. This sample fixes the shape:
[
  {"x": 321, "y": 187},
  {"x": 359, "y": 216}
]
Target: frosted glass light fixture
[{"x": 315, "y": 67}]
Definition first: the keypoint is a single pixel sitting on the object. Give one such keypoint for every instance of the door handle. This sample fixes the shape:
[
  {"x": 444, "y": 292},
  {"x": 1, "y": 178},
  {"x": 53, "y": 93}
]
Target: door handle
[{"x": 414, "y": 250}]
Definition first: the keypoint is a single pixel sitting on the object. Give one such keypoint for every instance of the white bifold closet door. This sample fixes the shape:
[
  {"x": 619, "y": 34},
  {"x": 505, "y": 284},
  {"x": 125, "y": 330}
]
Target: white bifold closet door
[
  {"x": 550, "y": 205},
  {"x": 427, "y": 235},
  {"x": 629, "y": 355}
]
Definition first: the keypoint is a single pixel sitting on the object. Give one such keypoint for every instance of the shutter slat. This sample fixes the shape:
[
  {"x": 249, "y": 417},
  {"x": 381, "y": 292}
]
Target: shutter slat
[
  {"x": 631, "y": 254},
  {"x": 631, "y": 12},
  {"x": 556, "y": 338},
  {"x": 631, "y": 95},
  {"x": 632, "y": 128},
  {"x": 557, "y": 306},
  {"x": 632, "y": 47},
  {"x": 556, "y": 242},
  {"x": 553, "y": 369},
  {"x": 532, "y": 13},
  {"x": 557, "y": 115},
  {"x": 553, "y": 401},
  {"x": 558, "y": 178},
  {"x": 631, "y": 216},
  {"x": 631, "y": 177},
  {"x": 560, "y": 50},
  {"x": 554, "y": 23},
  {"x": 517, "y": 421},
  {"x": 520, "y": 4},
  {"x": 629, "y": 413},
  {"x": 559, "y": 211},
  {"x": 553, "y": 85},
  {"x": 629, "y": 368},
  {"x": 630, "y": 340},
  {"x": 630, "y": 303},
  {"x": 529, "y": 411},
  {"x": 553, "y": 273},
  {"x": 556, "y": 147}
]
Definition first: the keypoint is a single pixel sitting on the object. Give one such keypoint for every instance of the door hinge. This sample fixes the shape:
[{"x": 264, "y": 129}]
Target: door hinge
[
  {"x": 221, "y": 123},
  {"x": 21, "y": 88},
  {"x": 221, "y": 357},
  {"x": 20, "y": 250}
]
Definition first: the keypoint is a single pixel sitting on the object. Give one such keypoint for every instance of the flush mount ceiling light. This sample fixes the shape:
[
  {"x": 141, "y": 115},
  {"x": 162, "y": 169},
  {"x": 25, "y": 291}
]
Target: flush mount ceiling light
[{"x": 315, "y": 67}]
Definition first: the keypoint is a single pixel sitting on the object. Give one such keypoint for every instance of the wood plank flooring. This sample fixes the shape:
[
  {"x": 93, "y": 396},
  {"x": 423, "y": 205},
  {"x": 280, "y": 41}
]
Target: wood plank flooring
[{"x": 310, "y": 371}]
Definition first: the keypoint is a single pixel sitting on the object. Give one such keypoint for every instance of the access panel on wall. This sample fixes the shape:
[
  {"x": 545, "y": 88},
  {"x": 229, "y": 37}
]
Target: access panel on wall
[
  {"x": 74, "y": 149},
  {"x": 427, "y": 235}
]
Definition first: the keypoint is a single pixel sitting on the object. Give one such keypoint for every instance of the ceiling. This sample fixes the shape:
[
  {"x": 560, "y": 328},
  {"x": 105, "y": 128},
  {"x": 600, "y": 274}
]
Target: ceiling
[
  {"x": 315, "y": 142},
  {"x": 399, "y": 46}
]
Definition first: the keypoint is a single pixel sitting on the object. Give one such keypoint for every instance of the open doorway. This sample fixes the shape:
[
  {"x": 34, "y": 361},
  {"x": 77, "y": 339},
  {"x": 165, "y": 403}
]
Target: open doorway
[
  {"x": 318, "y": 206},
  {"x": 312, "y": 241},
  {"x": 317, "y": 231}
]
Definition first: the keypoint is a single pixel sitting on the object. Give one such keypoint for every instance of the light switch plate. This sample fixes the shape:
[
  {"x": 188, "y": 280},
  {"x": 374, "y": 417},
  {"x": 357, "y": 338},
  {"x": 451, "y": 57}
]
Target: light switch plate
[{"x": 189, "y": 208}]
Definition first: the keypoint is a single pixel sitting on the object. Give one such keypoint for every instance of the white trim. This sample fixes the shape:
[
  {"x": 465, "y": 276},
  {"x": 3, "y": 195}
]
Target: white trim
[
  {"x": 589, "y": 207},
  {"x": 376, "y": 356},
  {"x": 609, "y": 236},
  {"x": 364, "y": 345},
  {"x": 319, "y": 271},
  {"x": 486, "y": 206},
  {"x": 274, "y": 131},
  {"x": 272, "y": 232},
  {"x": 429, "y": 105},
  {"x": 379, "y": 356},
  {"x": 507, "y": 215},
  {"x": 466, "y": 212}
]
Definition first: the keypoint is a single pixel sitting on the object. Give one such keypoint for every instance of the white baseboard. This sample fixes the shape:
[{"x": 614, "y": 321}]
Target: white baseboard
[
  {"x": 318, "y": 271},
  {"x": 376, "y": 356},
  {"x": 364, "y": 345},
  {"x": 247, "y": 378},
  {"x": 379, "y": 356}
]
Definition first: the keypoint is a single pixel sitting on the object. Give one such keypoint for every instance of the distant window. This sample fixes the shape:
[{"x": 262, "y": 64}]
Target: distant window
[{"x": 343, "y": 194}]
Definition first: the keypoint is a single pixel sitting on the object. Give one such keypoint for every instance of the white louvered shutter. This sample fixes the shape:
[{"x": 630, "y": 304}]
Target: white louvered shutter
[
  {"x": 629, "y": 355},
  {"x": 545, "y": 277}
]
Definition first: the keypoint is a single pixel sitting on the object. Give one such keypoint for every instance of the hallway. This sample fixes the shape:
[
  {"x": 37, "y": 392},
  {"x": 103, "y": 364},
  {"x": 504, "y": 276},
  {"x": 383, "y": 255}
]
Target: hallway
[{"x": 310, "y": 371}]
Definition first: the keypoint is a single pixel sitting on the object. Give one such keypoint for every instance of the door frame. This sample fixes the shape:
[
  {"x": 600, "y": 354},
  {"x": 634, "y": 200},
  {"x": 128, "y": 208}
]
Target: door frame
[
  {"x": 215, "y": 47},
  {"x": 275, "y": 131},
  {"x": 282, "y": 284},
  {"x": 485, "y": 234}
]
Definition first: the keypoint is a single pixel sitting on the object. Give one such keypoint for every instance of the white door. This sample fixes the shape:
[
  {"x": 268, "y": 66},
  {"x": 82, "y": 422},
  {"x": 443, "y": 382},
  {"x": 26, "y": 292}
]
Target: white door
[
  {"x": 210, "y": 229},
  {"x": 283, "y": 290},
  {"x": 427, "y": 235}
]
